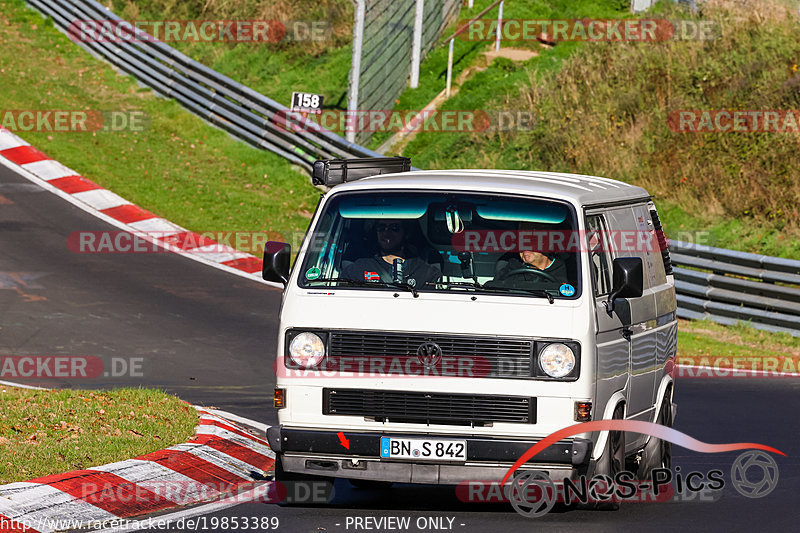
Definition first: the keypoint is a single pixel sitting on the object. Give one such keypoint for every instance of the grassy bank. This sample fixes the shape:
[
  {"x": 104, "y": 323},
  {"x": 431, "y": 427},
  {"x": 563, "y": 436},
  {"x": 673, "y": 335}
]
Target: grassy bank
[
  {"x": 319, "y": 64},
  {"x": 604, "y": 111},
  {"x": 178, "y": 167},
  {"x": 53, "y": 431},
  {"x": 494, "y": 85},
  {"x": 601, "y": 108},
  {"x": 706, "y": 343}
]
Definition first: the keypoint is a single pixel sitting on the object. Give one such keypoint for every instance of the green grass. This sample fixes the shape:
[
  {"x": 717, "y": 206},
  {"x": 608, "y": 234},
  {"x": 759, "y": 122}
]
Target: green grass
[
  {"x": 743, "y": 234},
  {"x": 179, "y": 167},
  {"x": 707, "y": 343},
  {"x": 52, "y": 431},
  {"x": 503, "y": 78},
  {"x": 273, "y": 69},
  {"x": 601, "y": 109}
]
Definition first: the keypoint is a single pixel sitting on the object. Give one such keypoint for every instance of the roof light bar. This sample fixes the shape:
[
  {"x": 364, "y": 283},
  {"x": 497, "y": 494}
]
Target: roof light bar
[{"x": 332, "y": 172}]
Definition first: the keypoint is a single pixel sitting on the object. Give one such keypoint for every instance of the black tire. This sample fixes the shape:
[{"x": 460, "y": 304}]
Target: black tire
[
  {"x": 370, "y": 484},
  {"x": 301, "y": 489},
  {"x": 612, "y": 461},
  {"x": 658, "y": 453}
]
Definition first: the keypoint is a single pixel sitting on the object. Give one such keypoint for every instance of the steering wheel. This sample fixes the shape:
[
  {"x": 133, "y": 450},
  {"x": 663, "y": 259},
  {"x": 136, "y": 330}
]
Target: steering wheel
[{"x": 541, "y": 273}]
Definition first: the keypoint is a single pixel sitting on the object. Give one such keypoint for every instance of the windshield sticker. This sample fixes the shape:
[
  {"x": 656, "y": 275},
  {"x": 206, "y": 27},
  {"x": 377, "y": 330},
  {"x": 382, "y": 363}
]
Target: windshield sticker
[
  {"x": 372, "y": 276},
  {"x": 566, "y": 289},
  {"x": 313, "y": 273}
]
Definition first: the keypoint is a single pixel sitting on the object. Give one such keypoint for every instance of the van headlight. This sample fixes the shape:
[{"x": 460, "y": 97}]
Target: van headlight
[
  {"x": 557, "y": 360},
  {"x": 307, "y": 349}
]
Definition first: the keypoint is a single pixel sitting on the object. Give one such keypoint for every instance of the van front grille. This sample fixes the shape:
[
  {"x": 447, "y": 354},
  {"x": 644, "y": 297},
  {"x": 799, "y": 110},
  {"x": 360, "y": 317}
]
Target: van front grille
[
  {"x": 429, "y": 407},
  {"x": 461, "y": 356}
]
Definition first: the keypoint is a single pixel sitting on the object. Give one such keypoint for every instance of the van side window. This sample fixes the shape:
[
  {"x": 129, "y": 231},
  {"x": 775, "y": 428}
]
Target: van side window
[
  {"x": 599, "y": 254},
  {"x": 662, "y": 241}
]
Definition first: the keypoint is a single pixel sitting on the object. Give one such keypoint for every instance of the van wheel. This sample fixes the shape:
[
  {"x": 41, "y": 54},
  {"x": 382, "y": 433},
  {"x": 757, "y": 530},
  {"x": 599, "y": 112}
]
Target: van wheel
[
  {"x": 657, "y": 452},
  {"x": 612, "y": 461},
  {"x": 301, "y": 489}
]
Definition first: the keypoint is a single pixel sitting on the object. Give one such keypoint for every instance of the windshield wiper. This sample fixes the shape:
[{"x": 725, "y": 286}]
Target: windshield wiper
[
  {"x": 535, "y": 292},
  {"x": 365, "y": 283},
  {"x": 476, "y": 285}
]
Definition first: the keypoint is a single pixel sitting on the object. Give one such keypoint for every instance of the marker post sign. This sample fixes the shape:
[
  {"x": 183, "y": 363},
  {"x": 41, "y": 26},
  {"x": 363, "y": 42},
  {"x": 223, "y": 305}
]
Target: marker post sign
[{"x": 307, "y": 102}]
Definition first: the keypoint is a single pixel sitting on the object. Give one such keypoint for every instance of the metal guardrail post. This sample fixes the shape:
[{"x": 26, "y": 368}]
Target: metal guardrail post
[
  {"x": 727, "y": 286},
  {"x": 449, "y": 67},
  {"x": 355, "y": 69},
  {"x": 223, "y": 102},
  {"x": 416, "y": 43},
  {"x": 499, "y": 27}
]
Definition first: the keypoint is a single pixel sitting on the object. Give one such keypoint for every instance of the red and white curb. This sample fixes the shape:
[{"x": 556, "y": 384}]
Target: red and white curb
[
  {"x": 223, "y": 461},
  {"x": 37, "y": 167}
]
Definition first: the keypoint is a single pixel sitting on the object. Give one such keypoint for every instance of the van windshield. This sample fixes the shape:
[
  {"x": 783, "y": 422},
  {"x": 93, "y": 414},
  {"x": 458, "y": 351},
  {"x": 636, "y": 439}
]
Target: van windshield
[{"x": 439, "y": 241}]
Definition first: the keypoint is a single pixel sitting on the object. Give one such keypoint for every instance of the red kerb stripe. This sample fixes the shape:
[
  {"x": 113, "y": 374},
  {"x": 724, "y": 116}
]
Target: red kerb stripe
[
  {"x": 108, "y": 492},
  {"x": 248, "y": 264},
  {"x": 23, "y": 154},
  {"x": 73, "y": 184},
  {"x": 128, "y": 213},
  {"x": 194, "y": 467},
  {"x": 241, "y": 433},
  {"x": 236, "y": 451}
]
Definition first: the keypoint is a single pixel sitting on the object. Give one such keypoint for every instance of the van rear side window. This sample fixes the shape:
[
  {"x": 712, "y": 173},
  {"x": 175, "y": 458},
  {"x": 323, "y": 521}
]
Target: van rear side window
[{"x": 599, "y": 254}]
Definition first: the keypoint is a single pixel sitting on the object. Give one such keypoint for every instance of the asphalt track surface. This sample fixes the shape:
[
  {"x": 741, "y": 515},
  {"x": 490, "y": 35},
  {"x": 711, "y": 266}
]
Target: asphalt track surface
[
  {"x": 193, "y": 330},
  {"x": 209, "y": 337}
]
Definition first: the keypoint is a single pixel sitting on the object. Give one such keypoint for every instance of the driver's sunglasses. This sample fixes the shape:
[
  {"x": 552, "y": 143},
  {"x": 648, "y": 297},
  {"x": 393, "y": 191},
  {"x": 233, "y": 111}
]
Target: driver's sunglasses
[{"x": 381, "y": 228}]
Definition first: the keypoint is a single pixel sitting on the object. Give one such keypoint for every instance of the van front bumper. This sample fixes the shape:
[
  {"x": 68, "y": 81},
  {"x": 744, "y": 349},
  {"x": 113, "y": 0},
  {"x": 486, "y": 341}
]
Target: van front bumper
[{"x": 321, "y": 453}]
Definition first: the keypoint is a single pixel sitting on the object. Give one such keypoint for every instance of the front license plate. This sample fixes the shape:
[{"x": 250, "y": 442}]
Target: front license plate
[{"x": 424, "y": 449}]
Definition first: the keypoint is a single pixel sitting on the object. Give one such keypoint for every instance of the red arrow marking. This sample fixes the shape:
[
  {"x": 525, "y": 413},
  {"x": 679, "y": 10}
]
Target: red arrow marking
[{"x": 343, "y": 440}]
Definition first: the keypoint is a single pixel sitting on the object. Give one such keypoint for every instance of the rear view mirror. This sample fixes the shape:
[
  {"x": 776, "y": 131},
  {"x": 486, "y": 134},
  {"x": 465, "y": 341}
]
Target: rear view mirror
[
  {"x": 628, "y": 274},
  {"x": 276, "y": 262}
]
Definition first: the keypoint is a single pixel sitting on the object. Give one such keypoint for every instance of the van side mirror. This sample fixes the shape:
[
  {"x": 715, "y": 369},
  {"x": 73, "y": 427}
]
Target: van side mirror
[
  {"x": 276, "y": 262},
  {"x": 628, "y": 275}
]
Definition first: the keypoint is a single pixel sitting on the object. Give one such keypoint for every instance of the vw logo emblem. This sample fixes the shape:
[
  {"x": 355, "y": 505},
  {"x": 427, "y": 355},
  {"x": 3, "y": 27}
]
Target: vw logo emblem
[{"x": 429, "y": 354}]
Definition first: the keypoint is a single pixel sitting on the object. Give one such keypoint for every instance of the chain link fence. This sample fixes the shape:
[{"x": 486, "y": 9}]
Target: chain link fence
[{"x": 384, "y": 48}]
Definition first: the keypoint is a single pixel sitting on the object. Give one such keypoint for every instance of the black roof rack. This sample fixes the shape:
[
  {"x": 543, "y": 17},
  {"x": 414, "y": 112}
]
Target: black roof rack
[{"x": 332, "y": 172}]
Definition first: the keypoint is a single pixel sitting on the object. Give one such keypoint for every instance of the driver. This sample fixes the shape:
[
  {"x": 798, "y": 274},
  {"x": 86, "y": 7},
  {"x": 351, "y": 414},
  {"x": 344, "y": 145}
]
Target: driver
[
  {"x": 532, "y": 269},
  {"x": 392, "y": 238}
]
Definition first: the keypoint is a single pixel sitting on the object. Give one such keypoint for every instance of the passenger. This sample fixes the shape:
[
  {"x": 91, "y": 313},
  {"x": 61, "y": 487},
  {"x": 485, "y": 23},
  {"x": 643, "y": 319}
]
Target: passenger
[
  {"x": 531, "y": 269},
  {"x": 392, "y": 242}
]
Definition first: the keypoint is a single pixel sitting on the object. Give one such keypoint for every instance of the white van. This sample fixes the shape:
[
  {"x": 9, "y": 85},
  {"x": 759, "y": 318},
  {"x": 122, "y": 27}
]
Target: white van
[{"x": 437, "y": 324}]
